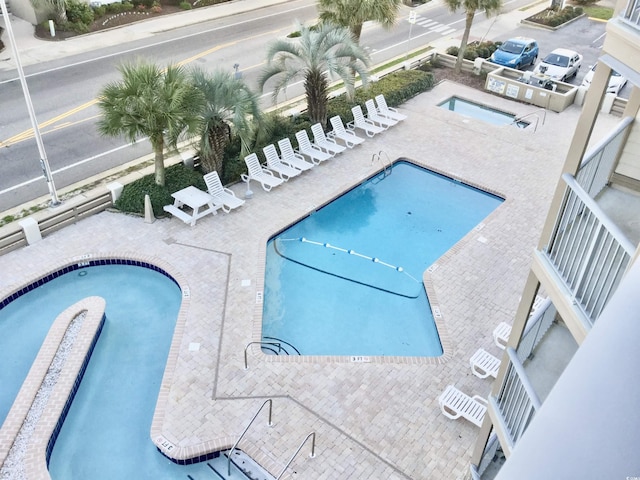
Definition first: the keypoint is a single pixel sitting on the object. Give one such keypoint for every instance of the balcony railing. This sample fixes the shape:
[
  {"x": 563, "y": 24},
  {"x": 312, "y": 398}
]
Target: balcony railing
[
  {"x": 537, "y": 325},
  {"x": 588, "y": 251},
  {"x": 598, "y": 163},
  {"x": 631, "y": 14},
  {"x": 516, "y": 402}
]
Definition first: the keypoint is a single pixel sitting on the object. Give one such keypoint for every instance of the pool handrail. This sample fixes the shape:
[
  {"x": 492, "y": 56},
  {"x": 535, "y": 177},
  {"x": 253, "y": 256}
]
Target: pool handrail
[
  {"x": 261, "y": 342},
  {"x": 313, "y": 452},
  {"x": 270, "y": 402}
]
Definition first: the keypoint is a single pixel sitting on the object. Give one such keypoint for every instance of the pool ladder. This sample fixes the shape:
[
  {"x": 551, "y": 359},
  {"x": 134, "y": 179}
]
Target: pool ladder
[
  {"x": 311, "y": 436},
  {"x": 386, "y": 167},
  {"x": 532, "y": 114}
]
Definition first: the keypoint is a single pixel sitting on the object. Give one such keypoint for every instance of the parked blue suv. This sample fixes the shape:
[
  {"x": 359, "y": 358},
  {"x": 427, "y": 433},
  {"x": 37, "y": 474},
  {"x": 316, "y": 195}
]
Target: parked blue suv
[{"x": 516, "y": 53}]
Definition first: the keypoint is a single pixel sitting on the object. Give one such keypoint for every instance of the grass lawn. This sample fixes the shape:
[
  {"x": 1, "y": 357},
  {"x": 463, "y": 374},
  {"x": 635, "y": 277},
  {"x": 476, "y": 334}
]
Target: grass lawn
[{"x": 594, "y": 11}]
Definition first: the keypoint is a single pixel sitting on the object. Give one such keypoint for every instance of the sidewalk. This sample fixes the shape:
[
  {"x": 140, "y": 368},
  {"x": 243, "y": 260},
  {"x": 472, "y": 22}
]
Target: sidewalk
[{"x": 33, "y": 50}]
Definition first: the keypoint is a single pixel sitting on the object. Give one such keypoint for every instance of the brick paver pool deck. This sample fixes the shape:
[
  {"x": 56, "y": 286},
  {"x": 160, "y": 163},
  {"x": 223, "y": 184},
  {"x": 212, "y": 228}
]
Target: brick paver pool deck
[{"x": 377, "y": 420}]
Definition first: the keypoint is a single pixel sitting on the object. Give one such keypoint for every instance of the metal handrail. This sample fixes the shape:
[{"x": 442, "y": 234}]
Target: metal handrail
[
  {"x": 534, "y": 113},
  {"x": 277, "y": 344},
  {"x": 385, "y": 166},
  {"x": 313, "y": 452},
  {"x": 270, "y": 402}
]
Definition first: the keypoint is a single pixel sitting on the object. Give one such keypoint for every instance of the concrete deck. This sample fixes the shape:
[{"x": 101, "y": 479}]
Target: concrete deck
[{"x": 376, "y": 420}]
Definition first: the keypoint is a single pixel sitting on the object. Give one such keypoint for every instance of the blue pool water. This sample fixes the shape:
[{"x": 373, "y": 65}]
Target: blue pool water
[
  {"x": 332, "y": 282},
  {"x": 106, "y": 434},
  {"x": 481, "y": 112}
]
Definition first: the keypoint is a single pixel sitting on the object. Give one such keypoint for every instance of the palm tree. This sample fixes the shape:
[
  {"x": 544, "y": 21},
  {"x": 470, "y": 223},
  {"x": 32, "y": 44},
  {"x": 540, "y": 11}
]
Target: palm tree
[
  {"x": 325, "y": 50},
  {"x": 353, "y": 13},
  {"x": 229, "y": 108},
  {"x": 149, "y": 101},
  {"x": 470, "y": 7}
]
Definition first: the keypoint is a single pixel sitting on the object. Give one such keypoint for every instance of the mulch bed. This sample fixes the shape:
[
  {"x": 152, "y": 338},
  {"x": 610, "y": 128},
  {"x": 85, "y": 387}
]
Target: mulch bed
[{"x": 107, "y": 22}]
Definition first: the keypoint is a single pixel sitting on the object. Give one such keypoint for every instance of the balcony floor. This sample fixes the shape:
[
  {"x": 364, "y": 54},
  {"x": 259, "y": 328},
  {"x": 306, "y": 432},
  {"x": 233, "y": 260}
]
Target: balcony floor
[
  {"x": 622, "y": 206},
  {"x": 550, "y": 358}
]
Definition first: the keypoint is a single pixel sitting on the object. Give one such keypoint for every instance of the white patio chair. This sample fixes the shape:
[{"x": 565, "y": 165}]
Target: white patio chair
[
  {"x": 349, "y": 138},
  {"x": 375, "y": 117},
  {"x": 224, "y": 196},
  {"x": 362, "y": 123},
  {"x": 484, "y": 364},
  {"x": 306, "y": 148},
  {"x": 291, "y": 158},
  {"x": 257, "y": 172},
  {"x": 387, "y": 111},
  {"x": 328, "y": 145},
  {"x": 274, "y": 164},
  {"x": 501, "y": 335},
  {"x": 455, "y": 404}
]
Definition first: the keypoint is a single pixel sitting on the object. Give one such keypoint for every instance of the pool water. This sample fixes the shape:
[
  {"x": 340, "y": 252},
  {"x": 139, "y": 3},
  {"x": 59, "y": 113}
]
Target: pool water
[
  {"x": 481, "y": 112},
  {"x": 347, "y": 279},
  {"x": 106, "y": 434}
]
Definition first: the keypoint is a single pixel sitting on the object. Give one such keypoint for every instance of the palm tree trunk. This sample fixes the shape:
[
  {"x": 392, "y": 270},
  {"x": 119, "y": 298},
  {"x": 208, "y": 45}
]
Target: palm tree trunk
[
  {"x": 316, "y": 88},
  {"x": 465, "y": 38},
  {"x": 218, "y": 137},
  {"x": 158, "y": 150}
]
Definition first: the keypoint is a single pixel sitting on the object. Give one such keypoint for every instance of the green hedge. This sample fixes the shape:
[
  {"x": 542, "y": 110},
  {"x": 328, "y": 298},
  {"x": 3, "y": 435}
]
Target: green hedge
[
  {"x": 397, "y": 88},
  {"x": 177, "y": 177}
]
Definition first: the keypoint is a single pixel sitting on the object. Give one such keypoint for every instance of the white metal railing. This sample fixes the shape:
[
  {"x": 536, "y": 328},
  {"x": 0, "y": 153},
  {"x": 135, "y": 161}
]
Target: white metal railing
[
  {"x": 537, "y": 325},
  {"x": 631, "y": 14},
  {"x": 516, "y": 402},
  {"x": 588, "y": 251},
  {"x": 597, "y": 164}
]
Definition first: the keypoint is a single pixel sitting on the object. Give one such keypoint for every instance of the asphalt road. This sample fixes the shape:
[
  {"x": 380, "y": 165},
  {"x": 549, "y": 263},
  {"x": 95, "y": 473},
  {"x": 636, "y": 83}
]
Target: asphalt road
[{"x": 64, "y": 91}]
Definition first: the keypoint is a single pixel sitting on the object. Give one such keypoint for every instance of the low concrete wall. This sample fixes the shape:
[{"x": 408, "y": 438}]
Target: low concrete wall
[{"x": 507, "y": 82}]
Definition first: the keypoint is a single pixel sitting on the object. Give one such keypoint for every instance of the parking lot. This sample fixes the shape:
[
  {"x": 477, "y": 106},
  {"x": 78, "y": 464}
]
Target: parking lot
[{"x": 585, "y": 36}]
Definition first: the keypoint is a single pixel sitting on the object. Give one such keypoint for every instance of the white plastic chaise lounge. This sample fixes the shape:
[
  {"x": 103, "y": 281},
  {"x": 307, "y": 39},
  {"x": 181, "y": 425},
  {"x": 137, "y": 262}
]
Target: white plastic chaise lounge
[
  {"x": 329, "y": 145},
  {"x": 455, "y": 404},
  {"x": 386, "y": 111},
  {"x": 339, "y": 132},
  {"x": 257, "y": 172},
  {"x": 362, "y": 123},
  {"x": 306, "y": 148},
  {"x": 274, "y": 164},
  {"x": 289, "y": 157},
  {"x": 483, "y": 364},
  {"x": 501, "y": 335},
  {"x": 375, "y": 117},
  {"x": 225, "y": 196}
]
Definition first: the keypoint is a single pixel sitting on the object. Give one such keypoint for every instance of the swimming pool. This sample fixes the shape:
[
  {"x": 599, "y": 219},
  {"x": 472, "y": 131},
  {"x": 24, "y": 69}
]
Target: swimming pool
[
  {"x": 347, "y": 279},
  {"x": 481, "y": 112},
  {"x": 105, "y": 434}
]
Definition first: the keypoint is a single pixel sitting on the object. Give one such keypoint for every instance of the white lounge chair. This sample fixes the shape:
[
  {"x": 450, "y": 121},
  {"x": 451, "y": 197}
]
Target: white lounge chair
[
  {"x": 306, "y": 148},
  {"x": 349, "y": 138},
  {"x": 375, "y": 117},
  {"x": 501, "y": 335},
  {"x": 455, "y": 404},
  {"x": 274, "y": 164},
  {"x": 362, "y": 123},
  {"x": 291, "y": 158},
  {"x": 484, "y": 364},
  {"x": 387, "y": 111},
  {"x": 329, "y": 145},
  {"x": 224, "y": 196},
  {"x": 257, "y": 172}
]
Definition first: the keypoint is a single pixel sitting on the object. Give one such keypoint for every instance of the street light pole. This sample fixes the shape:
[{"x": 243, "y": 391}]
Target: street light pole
[
  {"x": 412, "y": 20},
  {"x": 44, "y": 162}
]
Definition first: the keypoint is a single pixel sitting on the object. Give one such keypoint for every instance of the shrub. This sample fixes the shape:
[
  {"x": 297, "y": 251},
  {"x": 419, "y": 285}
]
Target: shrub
[
  {"x": 453, "y": 51},
  {"x": 99, "y": 11},
  {"x": 177, "y": 177},
  {"x": 79, "y": 12},
  {"x": 185, "y": 6}
]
